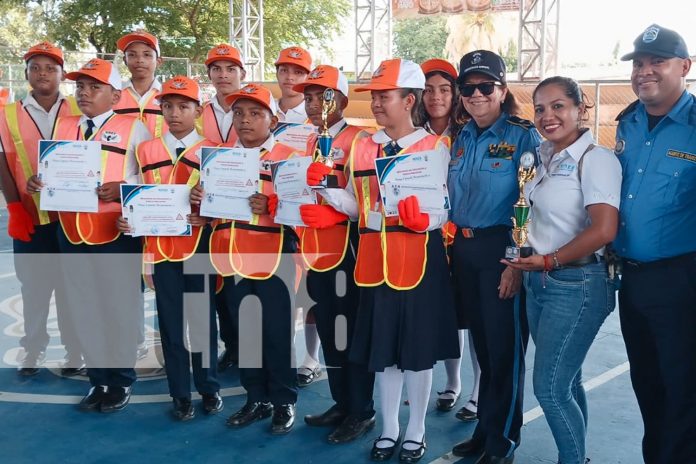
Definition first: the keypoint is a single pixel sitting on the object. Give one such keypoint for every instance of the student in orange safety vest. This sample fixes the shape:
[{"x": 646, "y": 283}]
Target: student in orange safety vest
[
  {"x": 34, "y": 232},
  {"x": 100, "y": 265},
  {"x": 174, "y": 158},
  {"x": 138, "y": 97},
  {"x": 406, "y": 321},
  {"x": 328, "y": 252},
  {"x": 256, "y": 258}
]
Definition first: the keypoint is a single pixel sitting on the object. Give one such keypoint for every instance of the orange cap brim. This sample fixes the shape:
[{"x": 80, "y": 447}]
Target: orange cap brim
[
  {"x": 230, "y": 99},
  {"x": 75, "y": 75}
]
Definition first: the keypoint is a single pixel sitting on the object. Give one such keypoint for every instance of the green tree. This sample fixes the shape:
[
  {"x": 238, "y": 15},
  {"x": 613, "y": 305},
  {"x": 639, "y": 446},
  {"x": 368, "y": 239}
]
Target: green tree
[{"x": 420, "y": 39}]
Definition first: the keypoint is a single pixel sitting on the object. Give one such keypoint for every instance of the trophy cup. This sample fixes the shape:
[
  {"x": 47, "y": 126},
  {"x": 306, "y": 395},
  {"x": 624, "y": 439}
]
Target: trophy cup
[
  {"x": 324, "y": 153},
  {"x": 520, "y": 218}
]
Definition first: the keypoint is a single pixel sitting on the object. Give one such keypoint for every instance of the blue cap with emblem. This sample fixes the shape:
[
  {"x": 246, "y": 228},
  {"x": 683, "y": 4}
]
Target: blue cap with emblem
[
  {"x": 484, "y": 62},
  {"x": 659, "y": 41}
]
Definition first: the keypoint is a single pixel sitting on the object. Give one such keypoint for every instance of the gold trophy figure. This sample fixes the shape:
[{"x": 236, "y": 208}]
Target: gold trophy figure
[
  {"x": 520, "y": 218},
  {"x": 324, "y": 153}
]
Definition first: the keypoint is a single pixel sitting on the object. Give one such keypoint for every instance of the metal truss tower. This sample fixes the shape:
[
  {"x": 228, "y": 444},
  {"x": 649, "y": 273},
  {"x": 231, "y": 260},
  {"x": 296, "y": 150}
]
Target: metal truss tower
[
  {"x": 372, "y": 19},
  {"x": 538, "y": 39},
  {"x": 246, "y": 33}
]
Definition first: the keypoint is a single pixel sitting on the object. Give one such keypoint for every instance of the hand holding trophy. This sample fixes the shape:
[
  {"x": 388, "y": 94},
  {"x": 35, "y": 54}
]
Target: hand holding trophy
[
  {"x": 324, "y": 153},
  {"x": 520, "y": 218}
]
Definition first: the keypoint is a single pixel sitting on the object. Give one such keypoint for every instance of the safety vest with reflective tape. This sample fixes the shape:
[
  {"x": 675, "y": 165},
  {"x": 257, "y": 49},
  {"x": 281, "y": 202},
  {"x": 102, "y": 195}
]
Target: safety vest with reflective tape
[
  {"x": 159, "y": 166},
  {"x": 207, "y": 125},
  {"x": 20, "y": 140},
  {"x": 324, "y": 249},
  {"x": 251, "y": 249},
  {"x": 150, "y": 113},
  {"x": 394, "y": 255},
  {"x": 100, "y": 227}
]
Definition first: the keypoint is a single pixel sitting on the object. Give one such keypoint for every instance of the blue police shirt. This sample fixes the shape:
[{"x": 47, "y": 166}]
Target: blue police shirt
[
  {"x": 483, "y": 171},
  {"x": 658, "y": 194}
]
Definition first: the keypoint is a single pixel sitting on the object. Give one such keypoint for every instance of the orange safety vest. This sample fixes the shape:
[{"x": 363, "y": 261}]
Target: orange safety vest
[
  {"x": 20, "y": 140},
  {"x": 395, "y": 255},
  {"x": 150, "y": 113},
  {"x": 251, "y": 249},
  {"x": 207, "y": 125},
  {"x": 324, "y": 249},
  {"x": 100, "y": 227},
  {"x": 159, "y": 166}
]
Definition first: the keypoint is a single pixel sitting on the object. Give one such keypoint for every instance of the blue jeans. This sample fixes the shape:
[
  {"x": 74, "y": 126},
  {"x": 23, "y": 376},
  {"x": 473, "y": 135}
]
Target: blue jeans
[{"x": 566, "y": 308}]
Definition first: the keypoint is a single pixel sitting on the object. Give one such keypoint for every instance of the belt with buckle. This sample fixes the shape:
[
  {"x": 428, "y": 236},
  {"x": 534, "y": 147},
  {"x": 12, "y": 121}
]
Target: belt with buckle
[
  {"x": 658, "y": 264},
  {"x": 594, "y": 258},
  {"x": 471, "y": 232}
]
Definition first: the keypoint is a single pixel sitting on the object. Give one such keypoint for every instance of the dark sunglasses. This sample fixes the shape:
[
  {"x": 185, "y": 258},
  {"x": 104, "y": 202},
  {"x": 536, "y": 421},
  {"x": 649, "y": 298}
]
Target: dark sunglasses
[{"x": 486, "y": 88}]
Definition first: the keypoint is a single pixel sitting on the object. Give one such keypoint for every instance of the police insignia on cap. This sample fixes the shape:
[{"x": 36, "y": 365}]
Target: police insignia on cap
[
  {"x": 650, "y": 34},
  {"x": 43, "y": 46},
  {"x": 249, "y": 89},
  {"x": 179, "y": 85},
  {"x": 222, "y": 51},
  {"x": 619, "y": 147},
  {"x": 317, "y": 73},
  {"x": 295, "y": 54},
  {"x": 91, "y": 64},
  {"x": 476, "y": 59}
]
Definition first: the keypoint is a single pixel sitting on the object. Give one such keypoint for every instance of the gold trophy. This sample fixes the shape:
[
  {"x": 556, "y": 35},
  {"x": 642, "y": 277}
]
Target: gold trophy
[
  {"x": 324, "y": 153},
  {"x": 520, "y": 218}
]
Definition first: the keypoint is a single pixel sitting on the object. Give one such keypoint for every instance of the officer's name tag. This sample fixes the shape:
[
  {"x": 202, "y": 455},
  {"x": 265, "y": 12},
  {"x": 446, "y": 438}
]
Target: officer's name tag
[
  {"x": 374, "y": 220},
  {"x": 682, "y": 155}
]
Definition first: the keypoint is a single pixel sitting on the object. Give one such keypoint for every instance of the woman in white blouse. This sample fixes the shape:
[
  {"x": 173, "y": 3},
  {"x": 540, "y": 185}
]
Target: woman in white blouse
[{"x": 574, "y": 201}]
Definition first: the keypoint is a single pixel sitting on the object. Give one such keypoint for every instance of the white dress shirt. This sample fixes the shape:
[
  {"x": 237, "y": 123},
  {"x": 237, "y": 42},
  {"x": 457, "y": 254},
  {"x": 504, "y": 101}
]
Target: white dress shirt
[
  {"x": 298, "y": 114},
  {"x": 142, "y": 99},
  {"x": 223, "y": 118},
  {"x": 187, "y": 141}
]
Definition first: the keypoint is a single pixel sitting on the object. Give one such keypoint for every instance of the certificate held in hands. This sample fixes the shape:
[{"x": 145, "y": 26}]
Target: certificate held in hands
[
  {"x": 290, "y": 184},
  {"x": 71, "y": 173},
  {"x": 156, "y": 209},
  {"x": 229, "y": 176}
]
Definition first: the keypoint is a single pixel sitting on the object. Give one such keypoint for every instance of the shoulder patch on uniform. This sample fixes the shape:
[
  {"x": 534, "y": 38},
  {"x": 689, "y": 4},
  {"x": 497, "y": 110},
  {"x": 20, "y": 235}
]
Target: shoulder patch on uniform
[
  {"x": 514, "y": 120},
  {"x": 627, "y": 110}
]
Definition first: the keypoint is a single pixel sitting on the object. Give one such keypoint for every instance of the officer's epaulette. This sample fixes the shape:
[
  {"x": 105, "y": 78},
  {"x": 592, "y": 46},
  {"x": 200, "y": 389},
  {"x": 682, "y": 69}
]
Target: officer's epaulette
[
  {"x": 515, "y": 121},
  {"x": 627, "y": 110}
]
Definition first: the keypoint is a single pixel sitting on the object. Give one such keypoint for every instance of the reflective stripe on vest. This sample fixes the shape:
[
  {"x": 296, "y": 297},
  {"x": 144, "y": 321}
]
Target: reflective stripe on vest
[
  {"x": 207, "y": 125},
  {"x": 149, "y": 113}
]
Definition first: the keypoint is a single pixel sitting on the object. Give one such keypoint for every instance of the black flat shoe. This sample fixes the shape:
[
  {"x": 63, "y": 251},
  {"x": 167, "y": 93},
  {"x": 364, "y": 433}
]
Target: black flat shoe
[
  {"x": 116, "y": 399},
  {"x": 212, "y": 404},
  {"x": 183, "y": 409},
  {"x": 383, "y": 454},
  {"x": 308, "y": 376},
  {"x": 351, "y": 429},
  {"x": 406, "y": 455},
  {"x": 465, "y": 414},
  {"x": 332, "y": 417},
  {"x": 93, "y": 398},
  {"x": 468, "y": 448},
  {"x": 446, "y": 404},
  {"x": 250, "y": 412}
]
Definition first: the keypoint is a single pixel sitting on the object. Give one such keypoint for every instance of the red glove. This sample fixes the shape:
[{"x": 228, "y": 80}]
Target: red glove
[
  {"x": 449, "y": 230},
  {"x": 272, "y": 204},
  {"x": 410, "y": 215},
  {"x": 320, "y": 216},
  {"x": 316, "y": 173},
  {"x": 20, "y": 224}
]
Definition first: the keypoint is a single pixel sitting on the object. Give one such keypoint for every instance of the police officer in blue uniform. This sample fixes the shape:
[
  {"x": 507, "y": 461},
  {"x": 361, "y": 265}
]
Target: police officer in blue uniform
[
  {"x": 656, "y": 144},
  {"x": 483, "y": 188}
]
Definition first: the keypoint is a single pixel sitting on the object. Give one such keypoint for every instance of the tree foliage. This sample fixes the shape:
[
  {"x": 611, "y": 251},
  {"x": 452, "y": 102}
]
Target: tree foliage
[{"x": 420, "y": 39}]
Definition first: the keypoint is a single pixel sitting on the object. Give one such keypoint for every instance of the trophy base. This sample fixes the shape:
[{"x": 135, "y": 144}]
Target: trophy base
[{"x": 512, "y": 252}]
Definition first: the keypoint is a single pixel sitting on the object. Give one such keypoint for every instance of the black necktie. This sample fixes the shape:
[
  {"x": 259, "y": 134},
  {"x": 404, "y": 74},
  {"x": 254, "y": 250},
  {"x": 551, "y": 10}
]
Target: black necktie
[
  {"x": 392, "y": 148},
  {"x": 90, "y": 129},
  {"x": 179, "y": 151}
]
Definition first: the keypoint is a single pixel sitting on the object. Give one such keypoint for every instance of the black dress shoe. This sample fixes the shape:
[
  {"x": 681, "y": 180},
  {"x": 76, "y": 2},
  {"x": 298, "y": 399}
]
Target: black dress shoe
[
  {"x": 212, "y": 404},
  {"x": 415, "y": 455},
  {"x": 226, "y": 360},
  {"x": 183, "y": 409},
  {"x": 116, "y": 399},
  {"x": 250, "y": 412},
  {"x": 307, "y": 376},
  {"x": 93, "y": 399},
  {"x": 350, "y": 429},
  {"x": 465, "y": 414},
  {"x": 30, "y": 364},
  {"x": 383, "y": 454},
  {"x": 446, "y": 404},
  {"x": 467, "y": 448},
  {"x": 283, "y": 419},
  {"x": 332, "y": 417},
  {"x": 488, "y": 459}
]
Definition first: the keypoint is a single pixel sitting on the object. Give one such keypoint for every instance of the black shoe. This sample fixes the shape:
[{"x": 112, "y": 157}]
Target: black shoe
[
  {"x": 226, "y": 360},
  {"x": 446, "y": 404},
  {"x": 250, "y": 412},
  {"x": 383, "y": 454},
  {"x": 93, "y": 399},
  {"x": 350, "y": 429},
  {"x": 332, "y": 417},
  {"x": 73, "y": 368},
  {"x": 488, "y": 459},
  {"x": 212, "y": 403},
  {"x": 283, "y": 419},
  {"x": 30, "y": 364},
  {"x": 465, "y": 414},
  {"x": 406, "y": 455},
  {"x": 116, "y": 399},
  {"x": 183, "y": 409},
  {"x": 468, "y": 448},
  {"x": 307, "y": 376}
]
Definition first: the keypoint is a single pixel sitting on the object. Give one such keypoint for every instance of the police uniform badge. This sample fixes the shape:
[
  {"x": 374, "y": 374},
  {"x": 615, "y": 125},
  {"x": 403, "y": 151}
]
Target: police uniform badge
[{"x": 619, "y": 147}]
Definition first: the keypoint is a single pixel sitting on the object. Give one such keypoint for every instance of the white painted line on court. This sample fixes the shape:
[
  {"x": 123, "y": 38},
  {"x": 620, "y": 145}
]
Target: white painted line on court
[{"x": 537, "y": 412}]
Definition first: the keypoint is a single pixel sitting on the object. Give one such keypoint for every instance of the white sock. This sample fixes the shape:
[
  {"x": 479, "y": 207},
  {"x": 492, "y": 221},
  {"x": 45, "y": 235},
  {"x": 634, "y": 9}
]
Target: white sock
[
  {"x": 390, "y": 382},
  {"x": 419, "y": 385},
  {"x": 477, "y": 373},
  {"x": 452, "y": 367},
  {"x": 311, "y": 359}
]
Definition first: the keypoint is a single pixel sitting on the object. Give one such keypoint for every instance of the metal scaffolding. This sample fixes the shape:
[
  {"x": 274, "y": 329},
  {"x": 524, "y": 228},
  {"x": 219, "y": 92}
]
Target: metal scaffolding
[
  {"x": 372, "y": 17},
  {"x": 246, "y": 33},
  {"x": 538, "y": 38}
]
